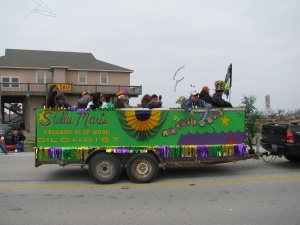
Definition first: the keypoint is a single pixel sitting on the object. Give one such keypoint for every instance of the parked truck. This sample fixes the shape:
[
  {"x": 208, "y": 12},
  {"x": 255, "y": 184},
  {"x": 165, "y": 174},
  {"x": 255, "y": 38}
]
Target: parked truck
[
  {"x": 282, "y": 139},
  {"x": 140, "y": 141}
]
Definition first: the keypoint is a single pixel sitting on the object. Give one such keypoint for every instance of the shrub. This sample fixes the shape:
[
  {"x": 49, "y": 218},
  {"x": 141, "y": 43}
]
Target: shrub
[{"x": 253, "y": 115}]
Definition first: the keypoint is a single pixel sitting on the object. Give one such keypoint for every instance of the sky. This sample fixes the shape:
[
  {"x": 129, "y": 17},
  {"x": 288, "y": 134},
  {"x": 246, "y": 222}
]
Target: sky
[{"x": 154, "y": 38}]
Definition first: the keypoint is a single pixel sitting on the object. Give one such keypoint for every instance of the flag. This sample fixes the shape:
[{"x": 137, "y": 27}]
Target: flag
[{"x": 228, "y": 80}]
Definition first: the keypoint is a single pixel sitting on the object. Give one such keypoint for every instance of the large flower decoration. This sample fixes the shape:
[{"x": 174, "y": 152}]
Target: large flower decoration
[{"x": 142, "y": 124}]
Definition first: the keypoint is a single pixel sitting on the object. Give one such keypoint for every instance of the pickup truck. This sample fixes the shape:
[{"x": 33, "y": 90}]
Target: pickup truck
[{"x": 282, "y": 139}]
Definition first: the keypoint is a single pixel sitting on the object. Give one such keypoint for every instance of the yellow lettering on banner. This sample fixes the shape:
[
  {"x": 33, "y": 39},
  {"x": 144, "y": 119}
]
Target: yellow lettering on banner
[
  {"x": 116, "y": 138},
  {"x": 88, "y": 139},
  {"x": 82, "y": 132},
  {"x": 76, "y": 140},
  {"x": 73, "y": 140},
  {"x": 58, "y": 132},
  {"x": 107, "y": 132},
  {"x": 41, "y": 140},
  {"x": 104, "y": 139}
]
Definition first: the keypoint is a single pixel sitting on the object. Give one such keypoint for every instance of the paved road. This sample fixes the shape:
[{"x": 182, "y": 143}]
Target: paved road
[{"x": 248, "y": 192}]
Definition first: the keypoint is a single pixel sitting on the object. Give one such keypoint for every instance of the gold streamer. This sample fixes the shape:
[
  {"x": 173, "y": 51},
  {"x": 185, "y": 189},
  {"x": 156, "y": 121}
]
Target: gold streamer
[
  {"x": 45, "y": 151},
  {"x": 227, "y": 150},
  {"x": 36, "y": 152},
  {"x": 109, "y": 150},
  {"x": 187, "y": 151},
  {"x": 231, "y": 150}
]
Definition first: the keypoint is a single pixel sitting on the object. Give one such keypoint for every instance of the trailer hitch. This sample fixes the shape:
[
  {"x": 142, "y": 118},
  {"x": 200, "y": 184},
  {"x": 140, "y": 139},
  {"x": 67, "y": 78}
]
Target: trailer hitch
[{"x": 268, "y": 158}]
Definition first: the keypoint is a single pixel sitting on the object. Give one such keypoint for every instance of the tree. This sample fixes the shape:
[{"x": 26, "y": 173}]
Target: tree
[{"x": 252, "y": 117}]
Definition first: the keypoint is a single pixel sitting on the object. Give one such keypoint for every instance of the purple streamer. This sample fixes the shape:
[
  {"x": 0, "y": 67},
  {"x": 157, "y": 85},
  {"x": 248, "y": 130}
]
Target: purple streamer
[
  {"x": 202, "y": 151},
  {"x": 58, "y": 153},
  {"x": 164, "y": 151},
  {"x": 51, "y": 153},
  {"x": 240, "y": 150},
  {"x": 122, "y": 150},
  {"x": 167, "y": 152}
]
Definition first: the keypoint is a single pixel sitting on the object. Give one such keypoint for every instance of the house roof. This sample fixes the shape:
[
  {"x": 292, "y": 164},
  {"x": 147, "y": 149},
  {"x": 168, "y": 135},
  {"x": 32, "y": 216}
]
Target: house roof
[{"x": 33, "y": 59}]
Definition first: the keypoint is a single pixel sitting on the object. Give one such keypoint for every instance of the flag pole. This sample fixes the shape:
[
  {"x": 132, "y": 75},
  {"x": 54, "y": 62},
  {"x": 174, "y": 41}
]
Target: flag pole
[{"x": 230, "y": 82}]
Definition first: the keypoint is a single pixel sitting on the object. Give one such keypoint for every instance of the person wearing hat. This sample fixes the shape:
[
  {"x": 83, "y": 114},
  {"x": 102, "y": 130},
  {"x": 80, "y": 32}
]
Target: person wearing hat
[
  {"x": 155, "y": 102},
  {"x": 194, "y": 102},
  {"x": 84, "y": 100},
  {"x": 51, "y": 100},
  {"x": 122, "y": 102},
  {"x": 204, "y": 95},
  {"x": 122, "y": 92},
  {"x": 217, "y": 100}
]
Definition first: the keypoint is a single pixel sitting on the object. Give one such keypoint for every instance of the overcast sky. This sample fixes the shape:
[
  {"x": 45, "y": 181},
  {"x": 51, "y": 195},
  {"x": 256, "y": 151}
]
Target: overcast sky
[{"x": 261, "y": 38}]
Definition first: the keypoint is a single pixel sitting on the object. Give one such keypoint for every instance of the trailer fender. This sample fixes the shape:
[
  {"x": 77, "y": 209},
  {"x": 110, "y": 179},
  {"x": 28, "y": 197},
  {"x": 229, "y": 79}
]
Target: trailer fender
[
  {"x": 155, "y": 153},
  {"x": 92, "y": 154}
]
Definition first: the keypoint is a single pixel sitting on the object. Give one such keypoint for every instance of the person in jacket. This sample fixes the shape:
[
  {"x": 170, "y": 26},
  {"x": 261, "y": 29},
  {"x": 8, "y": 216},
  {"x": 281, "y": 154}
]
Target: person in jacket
[
  {"x": 97, "y": 102},
  {"x": 61, "y": 100},
  {"x": 18, "y": 139},
  {"x": 217, "y": 99},
  {"x": 122, "y": 100},
  {"x": 145, "y": 101},
  {"x": 84, "y": 100},
  {"x": 194, "y": 102},
  {"x": 2, "y": 146},
  {"x": 106, "y": 103},
  {"x": 155, "y": 102},
  {"x": 51, "y": 100},
  {"x": 204, "y": 95}
]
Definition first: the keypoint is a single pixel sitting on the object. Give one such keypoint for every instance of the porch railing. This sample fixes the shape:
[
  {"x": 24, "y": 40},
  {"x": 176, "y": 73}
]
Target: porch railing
[{"x": 42, "y": 89}]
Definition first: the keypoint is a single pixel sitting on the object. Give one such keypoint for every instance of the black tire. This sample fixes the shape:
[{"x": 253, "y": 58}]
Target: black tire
[
  {"x": 105, "y": 168},
  {"x": 142, "y": 168},
  {"x": 293, "y": 158}
]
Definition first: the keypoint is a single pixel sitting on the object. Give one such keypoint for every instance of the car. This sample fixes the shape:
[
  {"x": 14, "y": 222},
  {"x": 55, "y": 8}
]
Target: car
[
  {"x": 6, "y": 131},
  {"x": 17, "y": 127}
]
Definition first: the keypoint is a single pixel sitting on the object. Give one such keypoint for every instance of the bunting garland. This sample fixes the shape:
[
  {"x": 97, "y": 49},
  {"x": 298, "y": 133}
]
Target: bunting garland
[{"x": 168, "y": 152}]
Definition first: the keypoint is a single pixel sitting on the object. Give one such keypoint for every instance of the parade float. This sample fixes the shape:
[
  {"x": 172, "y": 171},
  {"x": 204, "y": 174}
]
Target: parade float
[{"x": 139, "y": 140}]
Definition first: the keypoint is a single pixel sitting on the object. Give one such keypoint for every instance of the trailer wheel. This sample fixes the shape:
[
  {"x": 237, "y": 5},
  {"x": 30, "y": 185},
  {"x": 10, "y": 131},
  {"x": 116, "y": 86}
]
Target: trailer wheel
[
  {"x": 142, "y": 168},
  {"x": 293, "y": 158},
  {"x": 105, "y": 168}
]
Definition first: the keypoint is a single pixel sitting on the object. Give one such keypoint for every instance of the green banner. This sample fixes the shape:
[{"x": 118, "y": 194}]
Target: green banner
[{"x": 138, "y": 127}]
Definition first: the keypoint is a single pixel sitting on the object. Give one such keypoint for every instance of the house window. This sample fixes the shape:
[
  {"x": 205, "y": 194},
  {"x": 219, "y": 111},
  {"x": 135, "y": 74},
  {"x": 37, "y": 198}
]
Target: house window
[
  {"x": 103, "y": 78},
  {"x": 82, "y": 77},
  {"x": 15, "y": 82},
  {"x": 10, "y": 82},
  {"x": 43, "y": 77}
]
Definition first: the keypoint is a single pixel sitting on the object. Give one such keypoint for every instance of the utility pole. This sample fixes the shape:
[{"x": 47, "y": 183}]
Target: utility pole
[{"x": 267, "y": 104}]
